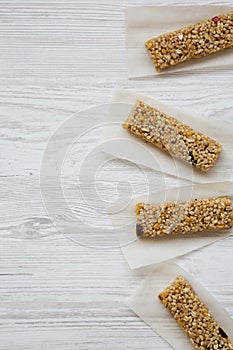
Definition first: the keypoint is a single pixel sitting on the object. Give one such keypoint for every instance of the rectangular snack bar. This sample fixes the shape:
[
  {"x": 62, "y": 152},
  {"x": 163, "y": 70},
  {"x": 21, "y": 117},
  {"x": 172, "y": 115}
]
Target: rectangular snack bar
[
  {"x": 194, "y": 41},
  {"x": 167, "y": 133},
  {"x": 194, "y": 317},
  {"x": 184, "y": 217}
]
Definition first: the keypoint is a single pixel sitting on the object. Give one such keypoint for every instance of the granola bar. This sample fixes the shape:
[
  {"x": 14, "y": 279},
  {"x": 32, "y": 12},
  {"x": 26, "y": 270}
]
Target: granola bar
[
  {"x": 167, "y": 133},
  {"x": 192, "y": 216},
  {"x": 194, "y": 317},
  {"x": 194, "y": 41}
]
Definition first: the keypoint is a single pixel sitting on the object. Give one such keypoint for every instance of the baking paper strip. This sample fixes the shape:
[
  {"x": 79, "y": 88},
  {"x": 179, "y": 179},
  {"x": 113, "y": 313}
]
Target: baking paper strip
[
  {"x": 140, "y": 252},
  {"x": 144, "y": 23},
  {"x": 148, "y": 307},
  {"x": 122, "y": 144}
]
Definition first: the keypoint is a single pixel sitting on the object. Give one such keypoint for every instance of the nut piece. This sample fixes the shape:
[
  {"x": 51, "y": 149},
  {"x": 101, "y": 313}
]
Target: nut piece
[
  {"x": 194, "y": 41},
  {"x": 184, "y": 217},
  {"x": 194, "y": 317},
  {"x": 167, "y": 133}
]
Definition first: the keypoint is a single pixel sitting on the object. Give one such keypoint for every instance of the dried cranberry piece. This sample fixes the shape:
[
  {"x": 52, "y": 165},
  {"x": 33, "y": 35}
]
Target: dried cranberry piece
[
  {"x": 139, "y": 230},
  {"x": 215, "y": 19}
]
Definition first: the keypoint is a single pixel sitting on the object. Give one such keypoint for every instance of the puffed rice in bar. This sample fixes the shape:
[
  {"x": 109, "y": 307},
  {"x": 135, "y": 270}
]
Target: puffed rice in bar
[
  {"x": 192, "y": 216},
  {"x": 194, "y": 317},
  {"x": 167, "y": 133},
  {"x": 194, "y": 41}
]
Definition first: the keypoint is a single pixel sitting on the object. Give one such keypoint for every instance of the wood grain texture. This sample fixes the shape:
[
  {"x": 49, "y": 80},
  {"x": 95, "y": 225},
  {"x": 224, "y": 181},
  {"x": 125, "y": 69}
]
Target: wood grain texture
[{"x": 57, "y": 58}]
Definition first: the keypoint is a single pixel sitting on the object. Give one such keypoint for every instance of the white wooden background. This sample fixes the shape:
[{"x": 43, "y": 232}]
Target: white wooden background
[{"x": 58, "y": 57}]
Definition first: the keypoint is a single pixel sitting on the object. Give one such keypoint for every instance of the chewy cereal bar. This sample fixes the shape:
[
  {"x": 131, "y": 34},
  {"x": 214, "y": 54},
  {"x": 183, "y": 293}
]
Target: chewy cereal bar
[
  {"x": 194, "y": 317},
  {"x": 167, "y": 133},
  {"x": 184, "y": 217},
  {"x": 197, "y": 40}
]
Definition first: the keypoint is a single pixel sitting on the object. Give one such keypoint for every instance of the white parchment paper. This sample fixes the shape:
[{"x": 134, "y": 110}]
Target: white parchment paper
[
  {"x": 144, "y": 23},
  {"x": 148, "y": 307},
  {"x": 122, "y": 144},
  {"x": 140, "y": 252}
]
